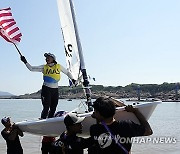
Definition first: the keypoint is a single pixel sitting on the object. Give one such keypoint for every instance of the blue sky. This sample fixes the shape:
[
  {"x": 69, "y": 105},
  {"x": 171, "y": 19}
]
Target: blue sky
[{"x": 124, "y": 41}]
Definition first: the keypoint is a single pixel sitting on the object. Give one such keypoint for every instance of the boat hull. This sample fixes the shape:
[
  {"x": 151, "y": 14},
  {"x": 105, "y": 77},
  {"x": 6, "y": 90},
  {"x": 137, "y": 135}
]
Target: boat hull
[{"x": 55, "y": 126}]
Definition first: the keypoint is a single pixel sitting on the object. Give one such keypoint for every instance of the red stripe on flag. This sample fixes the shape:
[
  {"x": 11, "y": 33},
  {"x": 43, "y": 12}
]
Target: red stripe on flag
[
  {"x": 9, "y": 25},
  {"x": 17, "y": 37},
  {"x": 5, "y": 14},
  {"x": 7, "y": 9},
  {"x": 13, "y": 31},
  {"x": 6, "y": 21}
]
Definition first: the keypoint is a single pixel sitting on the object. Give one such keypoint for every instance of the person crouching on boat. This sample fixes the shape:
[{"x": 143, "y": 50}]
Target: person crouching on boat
[
  {"x": 51, "y": 76},
  {"x": 111, "y": 136},
  {"x": 11, "y": 134}
]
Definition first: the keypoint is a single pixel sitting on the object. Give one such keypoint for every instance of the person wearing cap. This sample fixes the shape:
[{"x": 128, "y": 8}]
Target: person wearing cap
[
  {"x": 11, "y": 134},
  {"x": 51, "y": 76},
  {"x": 111, "y": 136},
  {"x": 69, "y": 142}
]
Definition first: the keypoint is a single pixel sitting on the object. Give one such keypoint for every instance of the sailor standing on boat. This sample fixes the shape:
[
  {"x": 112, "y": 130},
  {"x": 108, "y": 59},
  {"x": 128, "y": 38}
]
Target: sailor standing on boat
[{"x": 51, "y": 76}]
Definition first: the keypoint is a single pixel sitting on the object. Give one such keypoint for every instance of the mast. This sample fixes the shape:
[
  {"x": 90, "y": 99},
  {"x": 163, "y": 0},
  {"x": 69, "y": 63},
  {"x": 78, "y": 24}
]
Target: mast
[{"x": 82, "y": 63}]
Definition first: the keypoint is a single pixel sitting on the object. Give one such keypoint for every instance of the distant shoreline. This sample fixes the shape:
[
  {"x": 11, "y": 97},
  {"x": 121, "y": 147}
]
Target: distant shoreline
[
  {"x": 168, "y": 92},
  {"x": 70, "y": 99}
]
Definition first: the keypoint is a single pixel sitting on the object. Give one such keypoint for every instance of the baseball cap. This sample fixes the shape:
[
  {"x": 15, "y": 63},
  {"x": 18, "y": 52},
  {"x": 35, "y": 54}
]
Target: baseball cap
[
  {"x": 5, "y": 120},
  {"x": 72, "y": 118},
  {"x": 51, "y": 55}
]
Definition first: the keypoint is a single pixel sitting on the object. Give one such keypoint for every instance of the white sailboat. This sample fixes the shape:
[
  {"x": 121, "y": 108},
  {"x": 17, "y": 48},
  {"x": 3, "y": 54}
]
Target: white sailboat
[{"x": 75, "y": 64}]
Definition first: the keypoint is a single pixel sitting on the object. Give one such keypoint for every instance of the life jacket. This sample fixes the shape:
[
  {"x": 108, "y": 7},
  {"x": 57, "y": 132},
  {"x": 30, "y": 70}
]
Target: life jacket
[{"x": 51, "y": 74}]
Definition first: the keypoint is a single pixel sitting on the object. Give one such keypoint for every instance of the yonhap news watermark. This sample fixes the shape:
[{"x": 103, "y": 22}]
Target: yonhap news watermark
[
  {"x": 148, "y": 139},
  {"x": 107, "y": 138}
]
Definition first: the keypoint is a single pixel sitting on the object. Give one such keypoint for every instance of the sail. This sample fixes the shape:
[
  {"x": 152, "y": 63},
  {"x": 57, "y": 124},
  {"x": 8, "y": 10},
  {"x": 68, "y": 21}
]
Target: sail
[{"x": 71, "y": 43}]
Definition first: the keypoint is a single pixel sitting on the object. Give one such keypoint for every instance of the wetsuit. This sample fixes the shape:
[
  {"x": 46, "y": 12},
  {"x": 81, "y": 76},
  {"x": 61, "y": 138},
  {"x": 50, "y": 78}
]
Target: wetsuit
[{"x": 13, "y": 146}]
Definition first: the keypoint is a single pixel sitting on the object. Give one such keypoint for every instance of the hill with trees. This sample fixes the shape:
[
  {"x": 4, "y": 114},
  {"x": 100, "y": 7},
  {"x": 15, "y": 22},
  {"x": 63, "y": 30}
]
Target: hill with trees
[{"x": 165, "y": 91}]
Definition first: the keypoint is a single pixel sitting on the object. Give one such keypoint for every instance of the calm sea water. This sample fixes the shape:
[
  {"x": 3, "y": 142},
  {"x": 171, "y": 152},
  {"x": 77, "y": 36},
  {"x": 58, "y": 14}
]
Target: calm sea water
[{"x": 164, "y": 122}]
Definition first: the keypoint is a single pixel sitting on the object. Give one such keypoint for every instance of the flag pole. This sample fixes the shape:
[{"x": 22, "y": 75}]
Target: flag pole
[{"x": 17, "y": 49}]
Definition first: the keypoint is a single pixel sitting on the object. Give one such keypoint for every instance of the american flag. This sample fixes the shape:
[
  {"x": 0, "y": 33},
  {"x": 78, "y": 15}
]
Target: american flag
[{"x": 8, "y": 29}]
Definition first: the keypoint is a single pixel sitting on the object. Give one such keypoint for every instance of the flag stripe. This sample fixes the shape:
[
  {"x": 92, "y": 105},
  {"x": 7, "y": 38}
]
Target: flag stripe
[
  {"x": 6, "y": 18},
  {"x": 5, "y": 9},
  {"x": 5, "y": 14},
  {"x": 13, "y": 32},
  {"x": 6, "y": 21},
  {"x": 10, "y": 26},
  {"x": 17, "y": 36}
]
